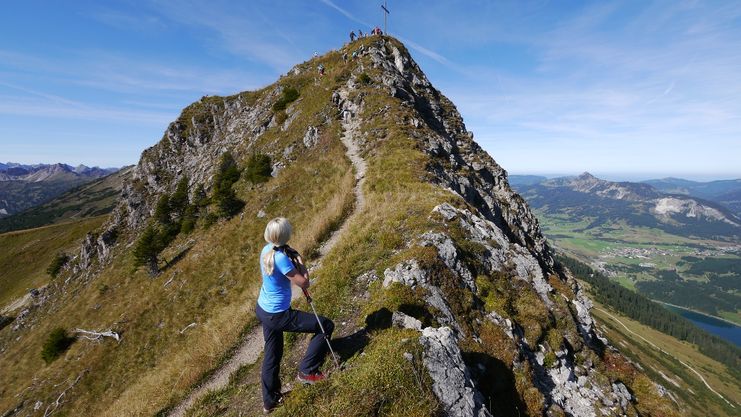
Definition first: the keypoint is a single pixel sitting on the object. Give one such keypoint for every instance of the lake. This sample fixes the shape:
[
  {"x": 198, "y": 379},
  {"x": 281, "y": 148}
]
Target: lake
[{"x": 720, "y": 328}]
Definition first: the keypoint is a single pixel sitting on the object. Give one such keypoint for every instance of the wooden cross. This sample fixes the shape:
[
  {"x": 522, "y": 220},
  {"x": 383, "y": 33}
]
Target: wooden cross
[{"x": 386, "y": 12}]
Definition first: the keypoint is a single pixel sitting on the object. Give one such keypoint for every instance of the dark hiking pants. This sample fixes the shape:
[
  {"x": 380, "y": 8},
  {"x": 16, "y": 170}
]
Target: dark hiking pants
[{"x": 273, "y": 326}]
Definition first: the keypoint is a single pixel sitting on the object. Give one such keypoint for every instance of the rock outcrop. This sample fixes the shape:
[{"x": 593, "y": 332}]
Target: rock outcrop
[{"x": 452, "y": 380}]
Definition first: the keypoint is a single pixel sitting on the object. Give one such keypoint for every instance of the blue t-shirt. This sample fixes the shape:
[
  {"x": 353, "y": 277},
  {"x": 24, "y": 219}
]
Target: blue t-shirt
[{"x": 275, "y": 293}]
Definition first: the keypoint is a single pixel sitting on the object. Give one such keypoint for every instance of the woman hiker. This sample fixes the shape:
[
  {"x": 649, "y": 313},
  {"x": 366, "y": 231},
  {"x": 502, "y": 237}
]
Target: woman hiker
[{"x": 276, "y": 315}]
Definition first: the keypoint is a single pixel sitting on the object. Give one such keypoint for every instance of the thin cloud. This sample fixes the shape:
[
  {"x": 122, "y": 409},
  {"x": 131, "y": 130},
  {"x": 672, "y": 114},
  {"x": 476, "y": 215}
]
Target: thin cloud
[
  {"x": 425, "y": 51},
  {"x": 670, "y": 88},
  {"x": 50, "y": 97},
  {"x": 124, "y": 21},
  {"x": 103, "y": 70},
  {"x": 346, "y": 13}
]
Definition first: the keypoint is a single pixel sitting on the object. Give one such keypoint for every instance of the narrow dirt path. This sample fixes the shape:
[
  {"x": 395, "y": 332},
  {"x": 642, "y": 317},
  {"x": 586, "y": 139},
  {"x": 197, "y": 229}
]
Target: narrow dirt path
[
  {"x": 350, "y": 126},
  {"x": 251, "y": 348}
]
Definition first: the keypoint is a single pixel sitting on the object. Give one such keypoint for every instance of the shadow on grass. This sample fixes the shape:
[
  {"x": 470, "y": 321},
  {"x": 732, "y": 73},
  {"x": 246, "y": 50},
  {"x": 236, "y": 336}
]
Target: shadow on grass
[
  {"x": 347, "y": 346},
  {"x": 169, "y": 264},
  {"x": 5, "y": 321},
  {"x": 379, "y": 319}
]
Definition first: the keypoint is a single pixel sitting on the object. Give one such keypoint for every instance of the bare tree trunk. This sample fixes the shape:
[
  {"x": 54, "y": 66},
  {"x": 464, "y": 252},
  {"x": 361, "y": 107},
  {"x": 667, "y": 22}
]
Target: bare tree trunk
[
  {"x": 154, "y": 269},
  {"x": 53, "y": 406},
  {"x": 91, "y": 335}
]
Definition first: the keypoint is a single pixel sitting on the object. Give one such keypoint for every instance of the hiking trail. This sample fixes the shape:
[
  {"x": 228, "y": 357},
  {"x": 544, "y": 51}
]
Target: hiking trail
[{"x": 251, "y": 347}]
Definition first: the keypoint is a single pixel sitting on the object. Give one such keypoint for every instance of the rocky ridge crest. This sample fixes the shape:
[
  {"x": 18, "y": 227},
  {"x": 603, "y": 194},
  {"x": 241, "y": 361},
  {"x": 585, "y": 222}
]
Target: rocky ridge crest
[{"x": 510, "y": 242}]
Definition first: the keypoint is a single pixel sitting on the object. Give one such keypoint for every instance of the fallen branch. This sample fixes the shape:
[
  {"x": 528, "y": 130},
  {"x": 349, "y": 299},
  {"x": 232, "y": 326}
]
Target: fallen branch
[
  {"x": 58, "y": 401},
  {"x": 33, "y": 382},
  {"x": 90, "y": 335},
  {"x": 187, "y": 327}
]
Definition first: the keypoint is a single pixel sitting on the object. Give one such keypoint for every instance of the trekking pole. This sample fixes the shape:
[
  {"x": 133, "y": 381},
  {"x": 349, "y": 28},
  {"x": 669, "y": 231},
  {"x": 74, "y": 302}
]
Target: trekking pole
[
  {"x": 295, "y": 257},
  {"x": 326, "y": 336}
]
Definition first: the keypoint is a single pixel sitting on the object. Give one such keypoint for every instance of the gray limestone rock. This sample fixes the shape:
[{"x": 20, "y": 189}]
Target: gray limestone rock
[
  {"x": 452, "y": 383},
  {"x": 311, "y": 137},
  {"x": 505, "y": 324},
  {"x": 529, "y": 269},
  {"x": 105, "y": 242},
  {"x": 367, "y": 277},
  {"x": 584, "y": 321},
  {"x": 404, "y": 321},
  {"x": 89, "y": 250},
  {"x": 622, "y": 394},
  {"x": 410, "y": 274},
  {"x": 449, "y": 254},
  {"x": 566, "y": 393}
]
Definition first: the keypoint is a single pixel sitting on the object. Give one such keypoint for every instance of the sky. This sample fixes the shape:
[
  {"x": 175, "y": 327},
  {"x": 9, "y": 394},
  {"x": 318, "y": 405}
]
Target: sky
[{"x": 624, "y": 90}]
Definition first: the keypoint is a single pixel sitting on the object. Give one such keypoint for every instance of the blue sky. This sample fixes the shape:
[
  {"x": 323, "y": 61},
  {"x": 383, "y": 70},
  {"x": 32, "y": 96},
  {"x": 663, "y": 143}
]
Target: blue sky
[{"x": 623, "y": 90}]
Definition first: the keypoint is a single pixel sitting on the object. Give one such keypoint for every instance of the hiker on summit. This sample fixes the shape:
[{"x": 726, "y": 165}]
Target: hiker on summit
[
  {"x": 276, "y": 315},
  {"x": 352, "y": 36}
]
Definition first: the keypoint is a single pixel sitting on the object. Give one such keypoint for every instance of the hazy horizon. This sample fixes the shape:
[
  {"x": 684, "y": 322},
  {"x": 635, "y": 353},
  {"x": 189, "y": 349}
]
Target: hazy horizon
[
  {"x": 624, "y": 176},
  {"x": 635, "y": 177}
]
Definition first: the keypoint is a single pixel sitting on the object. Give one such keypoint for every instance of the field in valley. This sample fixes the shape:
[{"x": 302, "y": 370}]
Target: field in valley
[{"x": 699, "y": 274}]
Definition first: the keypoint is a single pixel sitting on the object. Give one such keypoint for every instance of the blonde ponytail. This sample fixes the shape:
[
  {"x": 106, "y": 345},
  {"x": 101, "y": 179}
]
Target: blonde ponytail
[{"x": 277, "y": 232}]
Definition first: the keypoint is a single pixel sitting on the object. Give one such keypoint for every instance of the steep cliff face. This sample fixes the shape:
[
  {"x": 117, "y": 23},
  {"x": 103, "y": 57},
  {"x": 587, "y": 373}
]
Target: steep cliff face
[
  {"x": 457, "y": 161},
  {"x": 191, "y": 147},
  {"x": 445, "y": 293}
]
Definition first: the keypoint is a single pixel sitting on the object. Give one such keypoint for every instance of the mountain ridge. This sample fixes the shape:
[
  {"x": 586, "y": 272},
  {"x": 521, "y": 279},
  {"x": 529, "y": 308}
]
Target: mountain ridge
[
  {"x": 91, "y": 198},
  {"x": 489, "y": 326},
  {"x": 44, "y": 172},
  {"x": 638, "y": 203},
  {"x": 725, "y": 191},
  {"x": 25, "y": 186}
]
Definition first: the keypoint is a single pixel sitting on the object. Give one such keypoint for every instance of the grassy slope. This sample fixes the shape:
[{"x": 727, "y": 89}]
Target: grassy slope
[
  {"x": 26, "y": 254},
  {"x": 214, "y": 286},
  {"x": 681, "y": 381}
]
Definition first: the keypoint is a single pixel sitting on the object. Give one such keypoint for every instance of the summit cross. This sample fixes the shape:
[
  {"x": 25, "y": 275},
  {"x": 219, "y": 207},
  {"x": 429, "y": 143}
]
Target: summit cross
[{"x": 386, "y": 12}]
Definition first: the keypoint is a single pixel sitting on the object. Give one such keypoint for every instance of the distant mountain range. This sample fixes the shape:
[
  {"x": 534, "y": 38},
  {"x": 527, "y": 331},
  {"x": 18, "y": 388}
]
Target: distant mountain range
[
  {"x": 90, "y": 199},
  {"x": 690, "y": 212},
  {"x": 49, "y": 172},
  {"x": 725, "y": 192},
  {"x": 25, "y": 186}
]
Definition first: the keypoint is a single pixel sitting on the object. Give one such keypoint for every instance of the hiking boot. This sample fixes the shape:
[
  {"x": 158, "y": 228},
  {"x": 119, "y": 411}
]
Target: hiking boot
[
  {"x": 268, "y": 410},
  {"x": 310, "y": 378}
]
